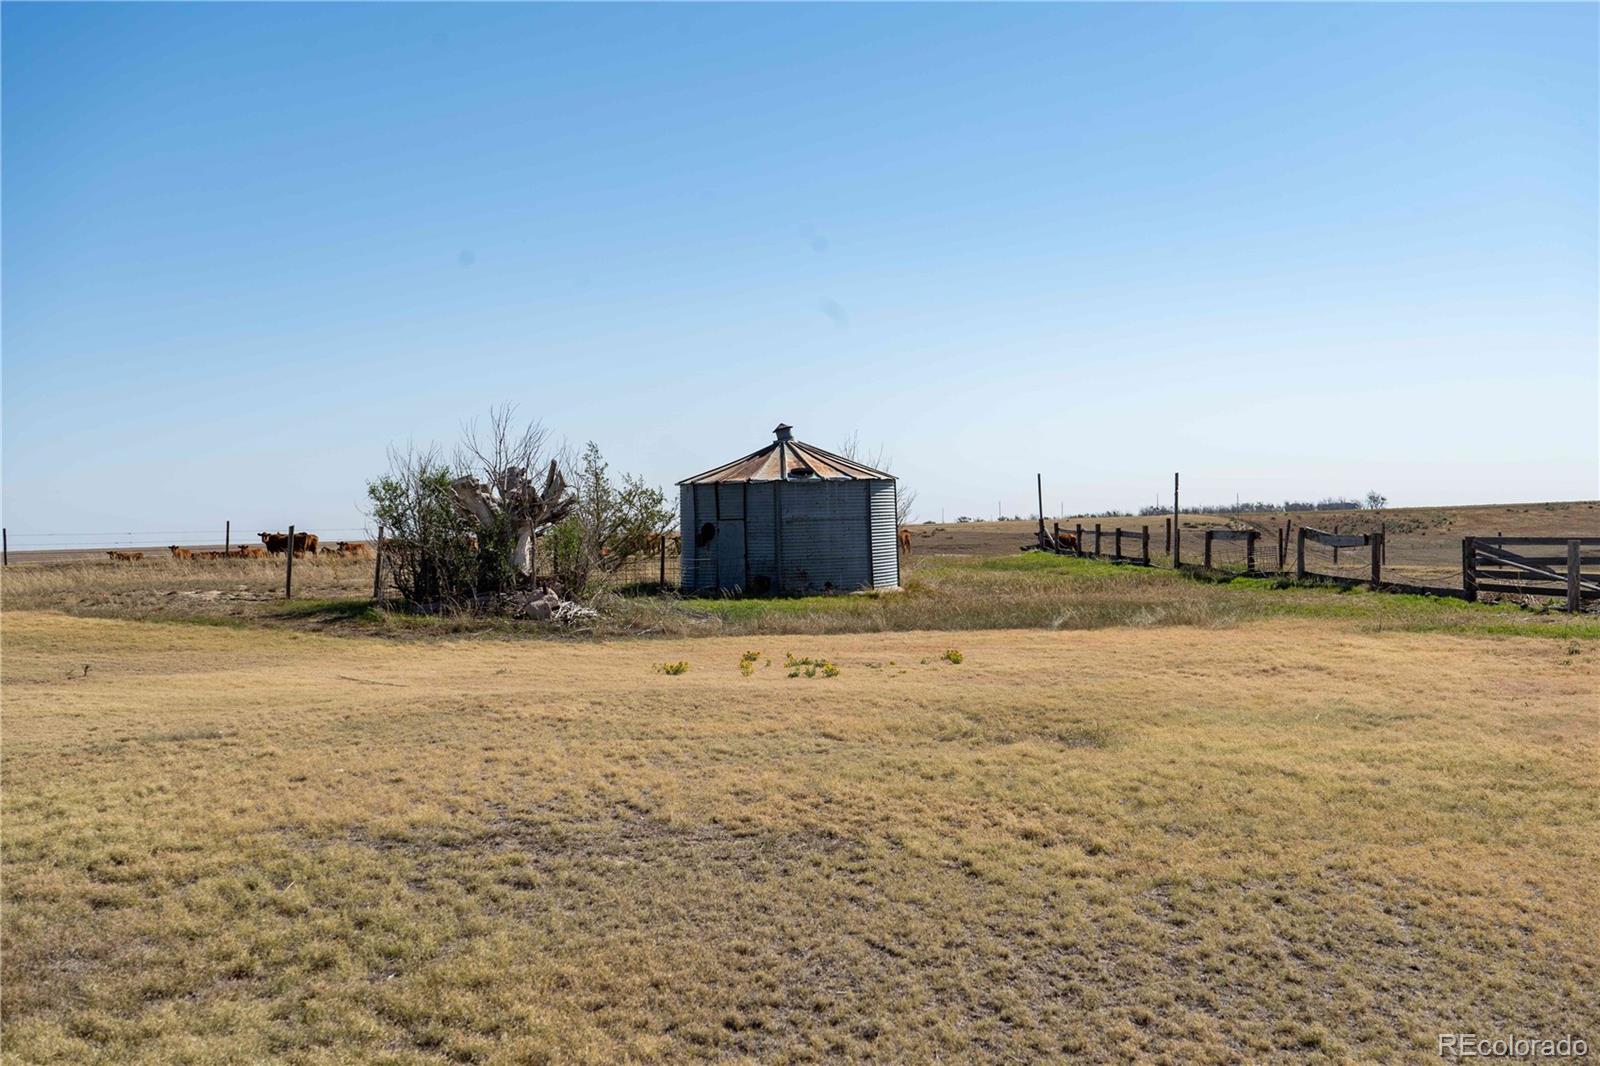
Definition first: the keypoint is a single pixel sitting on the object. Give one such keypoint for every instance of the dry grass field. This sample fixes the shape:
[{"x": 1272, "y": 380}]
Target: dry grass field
[
  {"x": 1287, "y": 839},
  {"x": 1029, "y": 808}
]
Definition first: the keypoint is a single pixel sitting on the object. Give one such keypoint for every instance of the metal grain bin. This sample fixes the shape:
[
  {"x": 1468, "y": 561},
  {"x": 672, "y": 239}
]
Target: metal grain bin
[{"x": 789, "y": 518}]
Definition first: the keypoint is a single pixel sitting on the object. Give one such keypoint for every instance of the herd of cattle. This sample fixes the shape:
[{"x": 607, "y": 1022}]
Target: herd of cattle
[
  {"x": 308, "y": 544},
  {"x": 271, "y": 544}
]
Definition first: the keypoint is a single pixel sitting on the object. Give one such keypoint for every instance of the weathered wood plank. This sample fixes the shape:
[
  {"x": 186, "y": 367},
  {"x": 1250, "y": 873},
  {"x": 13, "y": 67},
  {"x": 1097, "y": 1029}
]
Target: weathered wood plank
[
  {"x": 1559, "y": 591},
  {"x": 1496, "y": 574},
  {"x": 1549, "y": 542},
  {"x": 1557, "y": 561},
  {"x": 1505, "y": 558},
  {"x": 1337, "y": 540}
]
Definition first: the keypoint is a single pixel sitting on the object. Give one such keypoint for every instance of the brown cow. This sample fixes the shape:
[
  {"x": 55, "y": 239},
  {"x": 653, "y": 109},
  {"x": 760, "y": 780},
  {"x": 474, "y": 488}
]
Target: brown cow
[
  {"x": 905, "y": 542},
  {"x": 653, "y": 543},
  {"x": 1067, "y": 542},
  {"x": 277, "y": 543},
  {"x": 352, "y": 549},
  {"x": 251, "y": 551},
  {"x": 125, "y": 557},
  {"x": 209, "y": 555},
  {"x": 180, "y": 553}
]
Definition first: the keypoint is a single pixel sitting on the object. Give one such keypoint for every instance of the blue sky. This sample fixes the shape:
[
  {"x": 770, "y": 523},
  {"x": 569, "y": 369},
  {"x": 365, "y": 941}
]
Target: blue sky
[{"x": 1289, "y": 250}]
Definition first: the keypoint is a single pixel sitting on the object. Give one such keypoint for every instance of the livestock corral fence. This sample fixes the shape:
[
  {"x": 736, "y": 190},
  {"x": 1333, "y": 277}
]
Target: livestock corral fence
[
  {"x": 1538, "y": 566},
  {"x": 1566, "y": 568}
]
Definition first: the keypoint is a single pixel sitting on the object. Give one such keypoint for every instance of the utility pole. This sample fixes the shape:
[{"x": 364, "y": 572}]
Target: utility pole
[
  {"x": 1040, "y": 480},
  {"x": 1176, "y": 553}
]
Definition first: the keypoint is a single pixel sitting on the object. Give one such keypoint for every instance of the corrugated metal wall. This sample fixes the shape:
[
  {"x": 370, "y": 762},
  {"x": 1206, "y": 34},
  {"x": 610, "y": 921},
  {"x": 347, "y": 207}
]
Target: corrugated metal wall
[
  {"x": 761, "y": 530},
  {"x": 885, "y": 534},
  {"x": 686, "y": 528},
  {"x": 694, "y": 539},
  {"x": 837, "y": 535},
  {"x": 825, "y": 532},
  {"x": 728, "y": 547}
]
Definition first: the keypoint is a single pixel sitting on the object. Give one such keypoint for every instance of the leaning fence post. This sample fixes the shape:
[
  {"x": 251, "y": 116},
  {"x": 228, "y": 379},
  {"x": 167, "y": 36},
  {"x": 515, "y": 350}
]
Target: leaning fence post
[
  {"x": 377, "y": 568},
  {"x": 1376, "y": 543},
  {"x": 1144, "y": 546},
  {"x": 1574, "y": 559},
  {"x": 1469, "y": 568},
  {"x": 288, "y": 572},
  {"x": 1300, "y": 555}
]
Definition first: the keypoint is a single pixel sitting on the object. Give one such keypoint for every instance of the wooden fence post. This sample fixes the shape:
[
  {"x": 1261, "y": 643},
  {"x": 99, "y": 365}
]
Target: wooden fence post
[
  {"x": 227, "y": 537},
  {"x": 1376, "y": 544},
  {"x": 1097, "y": 540},
  {"x": 288, "y": 572},
  {"x": 1208, "y": 550},
  {"x": 1574, "y": 596},
  {"x": 1469, "y": 568},
  {"x": 1300, "y": 555},
  {"x": 1283, "y": 545},
  {"x": 1336, "y": 546},
  {"x": 1167, "y": 543},
  {"x": 1116, "y": 543},
  {"x": 1383, "y": 528},
  {"x": 1080, "y": 540},
  {"x": 1144, "y": 546},
  {"x": 377, "y": 568},
  {"x": 1250, "y": 552},
  {"x": 5, "y": 548},
  {"x": 662, "y": 582}
]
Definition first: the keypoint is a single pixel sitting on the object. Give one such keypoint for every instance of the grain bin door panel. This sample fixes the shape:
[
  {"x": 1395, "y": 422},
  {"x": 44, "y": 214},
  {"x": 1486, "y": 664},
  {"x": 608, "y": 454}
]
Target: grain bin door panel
[
  {"x": 761, "y": 538},
  {"x": 730, "y": 542},
  {"x": 885, "y": 535}
]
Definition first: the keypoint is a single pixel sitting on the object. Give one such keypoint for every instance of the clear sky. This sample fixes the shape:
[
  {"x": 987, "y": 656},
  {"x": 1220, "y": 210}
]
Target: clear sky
[{"x": 1289, "y": 250}]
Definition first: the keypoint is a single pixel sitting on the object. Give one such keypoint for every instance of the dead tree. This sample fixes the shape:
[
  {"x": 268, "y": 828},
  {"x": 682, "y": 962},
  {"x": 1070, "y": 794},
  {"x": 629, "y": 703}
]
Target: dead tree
[{"x": 512, "y": 506}]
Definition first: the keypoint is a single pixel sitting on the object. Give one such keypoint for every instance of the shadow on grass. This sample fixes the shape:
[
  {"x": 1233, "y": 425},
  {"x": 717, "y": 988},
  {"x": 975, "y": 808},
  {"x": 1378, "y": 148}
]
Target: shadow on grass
[{"x": 352, "y": 609}]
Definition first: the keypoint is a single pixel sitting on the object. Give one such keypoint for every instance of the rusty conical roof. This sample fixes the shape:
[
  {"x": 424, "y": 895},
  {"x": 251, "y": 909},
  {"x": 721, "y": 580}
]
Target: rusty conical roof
[{"x": 787, "y": 459}]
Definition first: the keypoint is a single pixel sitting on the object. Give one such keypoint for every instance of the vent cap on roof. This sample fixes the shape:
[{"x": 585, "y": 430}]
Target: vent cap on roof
[{"x": 784, "y": 431}]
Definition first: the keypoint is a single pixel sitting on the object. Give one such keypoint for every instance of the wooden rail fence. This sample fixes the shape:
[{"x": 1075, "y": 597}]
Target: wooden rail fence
[
  {"x": 1489, "y": 565},
  {"x": 1118, "y": 537},
  {"x": 1372, "y": 541},
  {"x": 1249, "y": 536}
]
